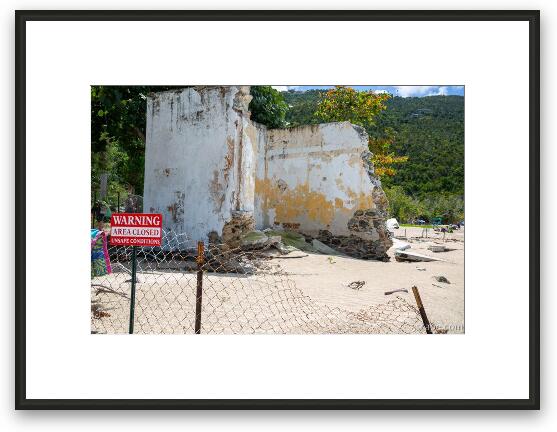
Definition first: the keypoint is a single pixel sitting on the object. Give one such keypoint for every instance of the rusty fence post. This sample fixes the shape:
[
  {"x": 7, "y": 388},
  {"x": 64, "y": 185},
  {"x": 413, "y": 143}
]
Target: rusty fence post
[
  {"x": 422, "y": 310},
  {"x": 199, "y": 296}
]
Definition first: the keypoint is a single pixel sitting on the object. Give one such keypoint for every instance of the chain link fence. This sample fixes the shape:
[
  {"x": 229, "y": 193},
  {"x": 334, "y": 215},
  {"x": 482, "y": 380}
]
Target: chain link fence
[{"x": 243, "y": 292}]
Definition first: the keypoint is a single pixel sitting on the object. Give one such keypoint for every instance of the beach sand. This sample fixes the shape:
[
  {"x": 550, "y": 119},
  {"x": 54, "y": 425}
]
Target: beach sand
[
  {"x": 325, "y": 278},
  {"x": 297, "y": 293}
]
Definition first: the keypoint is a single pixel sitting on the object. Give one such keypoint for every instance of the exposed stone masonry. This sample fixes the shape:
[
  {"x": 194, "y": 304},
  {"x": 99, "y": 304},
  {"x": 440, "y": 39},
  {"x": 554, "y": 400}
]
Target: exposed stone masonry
[{"x": 241, "y": 223}]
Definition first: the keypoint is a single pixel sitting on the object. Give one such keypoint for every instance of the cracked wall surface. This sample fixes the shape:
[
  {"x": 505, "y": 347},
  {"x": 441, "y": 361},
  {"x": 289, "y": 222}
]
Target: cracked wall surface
[
  {"x": 213, "y": 173},
  {"x": 319, "y": 180}
]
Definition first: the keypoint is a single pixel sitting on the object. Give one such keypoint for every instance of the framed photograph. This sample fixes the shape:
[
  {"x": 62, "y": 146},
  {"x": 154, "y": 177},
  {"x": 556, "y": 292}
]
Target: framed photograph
[{"x": 287, "y": 210}]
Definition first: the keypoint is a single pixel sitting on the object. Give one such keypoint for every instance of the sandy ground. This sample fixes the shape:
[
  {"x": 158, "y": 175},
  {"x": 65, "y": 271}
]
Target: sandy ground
[
  {"x": 307, "y": 294},
  {"x": 325, "y": 278}
]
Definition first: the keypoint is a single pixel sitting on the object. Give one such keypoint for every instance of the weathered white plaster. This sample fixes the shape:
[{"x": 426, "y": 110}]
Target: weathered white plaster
[
  {"x": 313, "y": 177},
  {"x": 196, "y": 153}
]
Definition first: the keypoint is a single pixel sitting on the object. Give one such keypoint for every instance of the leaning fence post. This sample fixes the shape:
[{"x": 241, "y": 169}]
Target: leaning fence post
[
  {"x": 199, "y": 297},
  {"x": 422, "y": 310},
  {"x": 134, "y": 277}
]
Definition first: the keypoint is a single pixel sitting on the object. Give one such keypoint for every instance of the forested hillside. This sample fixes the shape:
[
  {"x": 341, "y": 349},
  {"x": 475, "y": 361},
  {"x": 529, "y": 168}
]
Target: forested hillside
[{"x": 430, "y": 131}]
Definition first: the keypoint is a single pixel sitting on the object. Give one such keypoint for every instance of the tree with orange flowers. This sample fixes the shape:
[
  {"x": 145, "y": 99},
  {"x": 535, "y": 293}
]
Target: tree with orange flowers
[{"x": 360, "y": 108}]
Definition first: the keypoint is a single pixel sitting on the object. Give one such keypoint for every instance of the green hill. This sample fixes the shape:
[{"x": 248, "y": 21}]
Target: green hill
[{"x": 430, "y": 131}]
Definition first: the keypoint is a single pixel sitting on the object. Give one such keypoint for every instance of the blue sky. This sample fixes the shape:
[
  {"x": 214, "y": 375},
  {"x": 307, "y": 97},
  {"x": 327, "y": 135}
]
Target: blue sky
[{"x": 403, "y": 91}]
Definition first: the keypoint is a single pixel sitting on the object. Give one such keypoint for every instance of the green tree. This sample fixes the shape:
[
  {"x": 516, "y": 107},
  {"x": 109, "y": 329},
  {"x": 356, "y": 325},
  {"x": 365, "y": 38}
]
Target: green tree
[
  {"x": 346, "y": 104},
  {"x": 118, "y": 134},
  {"x": 384, "y": 159},
  {"x": 268, "y": 106},
  {"x": 402, "y": 206},
  {"x": 360, "y": 108},
  {"x": 302, "y": 106}
]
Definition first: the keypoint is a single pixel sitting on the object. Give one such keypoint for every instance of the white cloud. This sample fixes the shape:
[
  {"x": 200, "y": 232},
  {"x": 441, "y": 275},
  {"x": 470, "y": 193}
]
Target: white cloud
[
  {"x": 285, "y": 88},
  {"x": 409, "y": 91},
  {"x": 418, "y": 91},
  {"x": 442, "y": 91},
  {"x": 380, "y": 91}
]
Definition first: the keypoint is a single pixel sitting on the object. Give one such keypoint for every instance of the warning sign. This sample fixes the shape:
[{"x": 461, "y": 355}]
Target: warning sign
[{"x": 135, "y": 229}]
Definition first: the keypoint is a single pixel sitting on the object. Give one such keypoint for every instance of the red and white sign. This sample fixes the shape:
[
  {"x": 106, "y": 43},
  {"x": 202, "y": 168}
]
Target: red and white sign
[{"x": 135, "y": 229}]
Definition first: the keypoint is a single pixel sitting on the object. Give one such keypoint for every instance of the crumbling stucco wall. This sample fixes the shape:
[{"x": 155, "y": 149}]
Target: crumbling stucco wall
[
  {"x": 318, "y": 180},
  {"x": 199, "y": 158},
  {"x": 214, "y": 174}
]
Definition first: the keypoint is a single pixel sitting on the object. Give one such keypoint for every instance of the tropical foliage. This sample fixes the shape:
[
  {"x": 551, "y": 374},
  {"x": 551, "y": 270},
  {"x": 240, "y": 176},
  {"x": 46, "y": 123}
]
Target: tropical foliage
[
  {"x": 268, "y": 106},
  {"x": 346, "y": 104},
  {"x": 118, "y": 135},
  {"x": 360, "y": 108}
]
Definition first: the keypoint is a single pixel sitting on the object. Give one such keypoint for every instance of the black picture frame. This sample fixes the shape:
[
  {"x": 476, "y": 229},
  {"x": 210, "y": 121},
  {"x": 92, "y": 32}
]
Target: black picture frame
[{"x": 531, "y": 16}]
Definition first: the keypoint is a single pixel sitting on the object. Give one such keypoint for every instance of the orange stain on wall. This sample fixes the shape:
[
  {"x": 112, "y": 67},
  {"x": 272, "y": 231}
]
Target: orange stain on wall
[{"x": 300, "y": 203}]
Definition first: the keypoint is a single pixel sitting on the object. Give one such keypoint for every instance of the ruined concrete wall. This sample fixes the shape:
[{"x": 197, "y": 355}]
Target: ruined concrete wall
[
  {"x": 318, "y": 180},
  {"x": 214, "y": 174},
  {"x": 199, "y": 158}
]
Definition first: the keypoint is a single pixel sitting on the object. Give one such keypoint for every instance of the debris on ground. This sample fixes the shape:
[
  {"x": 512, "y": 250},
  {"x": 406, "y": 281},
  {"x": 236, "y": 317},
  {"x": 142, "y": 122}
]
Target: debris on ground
[
  {"x": 230, "y": 264},
  {"x": 285, "y": 242},
  {"x": 437, "y": 248},
  {"x": 331, "y": 260},
  {"x": 258, "y": 240},
  {"x": 107, "y": 290},
  {"x": 356, "y": 285},
  {"x": 400, "y": 245},
  {"x": 283, "y": 249},
  {"x": 291, "y": 239},
  {"x": 438, "y": 286},
  {"x": 97, "y": 310},
  {"x": 323, "y": 248},
  {"x": 290, "y": 256},
  {"x": 396, "y": 290},
  {"x": 413, "y": 256},
  {"x": 137, "y": 279},
  {"x": 420, "y": 268},
  {"x": 441, "y": 279}
]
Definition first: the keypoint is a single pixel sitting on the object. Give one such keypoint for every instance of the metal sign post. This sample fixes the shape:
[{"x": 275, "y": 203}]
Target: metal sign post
[
  {"x": 199, "y": 294},
  {"x": 134, "y": 277}
]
